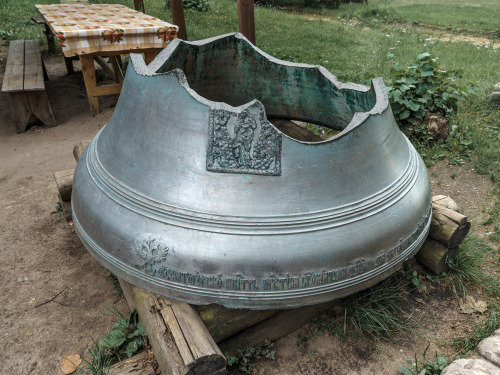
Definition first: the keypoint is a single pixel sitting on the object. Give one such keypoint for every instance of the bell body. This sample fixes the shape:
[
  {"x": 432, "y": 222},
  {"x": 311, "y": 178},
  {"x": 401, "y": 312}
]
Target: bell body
[{"x": 190, "y": 192}]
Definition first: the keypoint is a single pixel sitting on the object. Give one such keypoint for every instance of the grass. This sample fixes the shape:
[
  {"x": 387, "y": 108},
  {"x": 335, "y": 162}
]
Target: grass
[
  {"x": 349, "y": 51},
  {"x": 481, "y": 330}
]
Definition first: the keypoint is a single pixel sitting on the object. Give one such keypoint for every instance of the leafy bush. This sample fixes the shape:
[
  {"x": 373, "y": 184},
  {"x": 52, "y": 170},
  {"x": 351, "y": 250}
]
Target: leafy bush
[
  {"x": 198, "y": 5},
  {"x": 423, "y": 87}
]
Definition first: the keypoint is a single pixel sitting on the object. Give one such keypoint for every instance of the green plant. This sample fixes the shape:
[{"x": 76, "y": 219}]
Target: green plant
[
  {"x": 465, "y": 266},
  {"x": 100, "y": 360},
  {"x": 126, "y": 336},
  {"x": 125, "y": 339},
  {"x": 323, "y": 131},
  {"x": 246, "y": 357},
  {"x": 423, "y": 87},
  {"x": 482, "y": 329},
  {"x": 58, "y": 210},
  {"x": 198, "y": 5},
  {"x": 433, "y": 367}
]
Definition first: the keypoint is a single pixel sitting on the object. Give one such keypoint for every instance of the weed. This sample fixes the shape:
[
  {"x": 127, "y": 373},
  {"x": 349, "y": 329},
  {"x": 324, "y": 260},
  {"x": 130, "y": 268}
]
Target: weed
[
  {"x": 117, "y": 289},
  {"x": 466, "y": 269},
  {"x": 58, "y": 210},
  {"x": 100, "y": 360},
  {"x": 423, "y": 87},
  {"x": 246, "y": 357},
  {"x": 481, "y": 330},
  {"x": 433, "y": 367},
  {"x": 125, "y": 339}
]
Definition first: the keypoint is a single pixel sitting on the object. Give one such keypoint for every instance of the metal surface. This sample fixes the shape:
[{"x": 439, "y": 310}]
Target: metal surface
[{"x": 190, "y": 192}]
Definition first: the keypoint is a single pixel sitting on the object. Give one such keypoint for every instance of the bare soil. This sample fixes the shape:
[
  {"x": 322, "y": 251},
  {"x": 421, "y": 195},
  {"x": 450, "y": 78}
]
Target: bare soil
[{"x": 41, "y": 256}]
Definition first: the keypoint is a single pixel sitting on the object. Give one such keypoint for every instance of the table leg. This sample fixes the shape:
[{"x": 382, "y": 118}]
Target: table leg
[
  {"x": 149, "y": 56},
  {"x": 88, "y": 71}
]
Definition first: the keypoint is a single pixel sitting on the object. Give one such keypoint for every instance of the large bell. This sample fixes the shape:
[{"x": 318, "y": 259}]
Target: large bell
[{"x": 190, "y": 192}]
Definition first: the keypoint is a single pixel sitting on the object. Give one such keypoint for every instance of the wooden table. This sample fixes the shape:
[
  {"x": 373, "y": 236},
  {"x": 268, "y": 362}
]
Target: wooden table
[{"x": 92, "y": 31}]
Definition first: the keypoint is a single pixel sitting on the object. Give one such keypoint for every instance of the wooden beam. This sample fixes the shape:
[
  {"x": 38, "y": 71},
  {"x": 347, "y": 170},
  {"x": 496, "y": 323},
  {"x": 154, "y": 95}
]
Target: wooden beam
[
  {"x": 246, "y": 19},
  {"x": 178, "y": 18},
  {"x": 64, "y": 183},
  {"x": 180, "y": 341}
]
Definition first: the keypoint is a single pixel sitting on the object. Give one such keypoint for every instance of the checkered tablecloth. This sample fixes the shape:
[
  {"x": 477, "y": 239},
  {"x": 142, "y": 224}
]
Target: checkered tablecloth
[{"x": 90, "y": 28}]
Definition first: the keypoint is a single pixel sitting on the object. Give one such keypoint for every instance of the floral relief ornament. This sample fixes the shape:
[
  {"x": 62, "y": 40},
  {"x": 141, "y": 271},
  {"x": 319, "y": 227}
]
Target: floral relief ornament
[{"x": 152, "y": 250}]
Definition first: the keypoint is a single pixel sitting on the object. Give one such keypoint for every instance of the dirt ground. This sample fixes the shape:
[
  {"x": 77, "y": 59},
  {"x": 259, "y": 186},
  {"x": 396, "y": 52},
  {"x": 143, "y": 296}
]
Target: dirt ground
[{"x": 41, "y": 256}]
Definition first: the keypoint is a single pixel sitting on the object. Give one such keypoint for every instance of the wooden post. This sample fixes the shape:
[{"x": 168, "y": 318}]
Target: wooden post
[
  {"x": 178, "y": 18},
  {"x": 246, "y": 19}
]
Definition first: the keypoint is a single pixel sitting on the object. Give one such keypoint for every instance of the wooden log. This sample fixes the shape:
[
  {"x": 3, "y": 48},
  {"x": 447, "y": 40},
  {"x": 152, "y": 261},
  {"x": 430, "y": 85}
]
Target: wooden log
[
  {"x": 433, "y": 255},
  {"x": 180, "y": 340},
  {"x": 295, "y": 131},
  {"x": 79, "y": 148},
  {"x": 447, "y": 226},
  {"x": 276, "y": 327},
  {"x": 64, "y": 183},
  {"x": 222, "y": 322},
  {"x": 140, "y": 364},
  {"x": 445, "y": 201}
]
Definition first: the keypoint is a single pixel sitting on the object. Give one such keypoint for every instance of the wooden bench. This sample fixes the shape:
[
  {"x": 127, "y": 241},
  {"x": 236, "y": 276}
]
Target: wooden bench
[{"x": 25, "y": 84}]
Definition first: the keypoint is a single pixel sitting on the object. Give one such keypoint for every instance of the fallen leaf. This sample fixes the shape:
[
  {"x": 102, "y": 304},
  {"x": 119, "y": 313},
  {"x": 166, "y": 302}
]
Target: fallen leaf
[
  {"x": 70, "y": 363},
  {"x": 420, "y": 300},
  {"x": 469, "y": 305}
]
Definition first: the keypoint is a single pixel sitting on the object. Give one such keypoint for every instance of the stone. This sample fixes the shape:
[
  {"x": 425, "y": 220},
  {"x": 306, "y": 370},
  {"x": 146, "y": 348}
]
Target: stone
[
  {"x": 496, "y": 86},
  {"x": 437, "y": 125},
  {"x": 489, "y": 348},
  {"x": 471, "y": 367},
  {"x": 495, "y": 97}
]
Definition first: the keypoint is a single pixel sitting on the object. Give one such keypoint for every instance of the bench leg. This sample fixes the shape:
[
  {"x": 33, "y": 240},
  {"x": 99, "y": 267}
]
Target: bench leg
[
  {"x": 21, "y": 110},
  {"x": 40, "y": 106},
  {"x": 88, "y": 71}
]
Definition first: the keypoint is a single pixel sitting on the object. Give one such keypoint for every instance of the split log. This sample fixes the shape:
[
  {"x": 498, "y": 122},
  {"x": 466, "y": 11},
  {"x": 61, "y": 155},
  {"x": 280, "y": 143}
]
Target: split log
[
  {"x": 140, "y": 364},
  {"x": 64, "y": 183},
  {"x": 447, "y": 226},
  {"x": 445, "y": 201},
  {"x": 180, "y": 340},
  {"x": 433, "y": 255},
  {"x": 79, "y": 148},
  {"x": 276, "y": 327},
  {"x": 295, "y": 131},
  {"x": 222, "y": 322}
]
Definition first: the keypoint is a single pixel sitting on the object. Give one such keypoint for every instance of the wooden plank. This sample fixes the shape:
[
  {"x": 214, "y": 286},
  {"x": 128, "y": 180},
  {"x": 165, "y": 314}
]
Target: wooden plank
[
  {"x": 276, "y": 327},
  {"x": 433, "y": 255},
  {"x": 40, "y": 107},
  {"x": 64, "y": 183},
  {"x": 21, "y": 110},
  {"x": 161, "y": 340},
  {"x": 140, "y": 364},
  {"x": 79, "y": 148},
  {"x": 200, "y": 342},
  {"x": 168, "y": 315},
  {"x": 33, "y": 70},
  {"x": 14, "y": 70},
  {"x": 105, "y": 66},
  {"x": 111, "y": 89},
  {"x": 118, "y": 74},
  {"x": 222, "y": 322},
  {"x": 88, "y": 71},
  {"x": 169, "y": 323}
]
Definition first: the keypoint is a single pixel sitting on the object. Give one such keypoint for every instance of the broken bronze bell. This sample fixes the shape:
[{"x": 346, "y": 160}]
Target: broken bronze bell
[{"x": 190, "y": 192}]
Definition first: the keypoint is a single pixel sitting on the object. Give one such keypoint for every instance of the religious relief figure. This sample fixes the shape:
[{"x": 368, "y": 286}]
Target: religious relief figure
[
  {"x": 243, "y": 143},
  {"x": 243, "y": 139}
]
